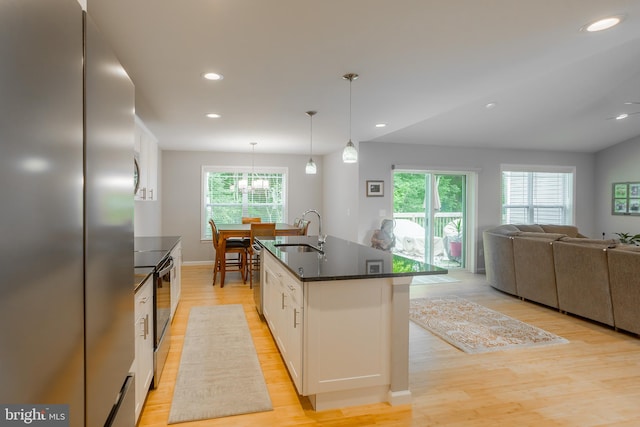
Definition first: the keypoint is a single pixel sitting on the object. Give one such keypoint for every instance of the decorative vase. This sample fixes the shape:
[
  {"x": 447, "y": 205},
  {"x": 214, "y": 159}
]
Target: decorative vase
[{"x": 455, "y": 249}]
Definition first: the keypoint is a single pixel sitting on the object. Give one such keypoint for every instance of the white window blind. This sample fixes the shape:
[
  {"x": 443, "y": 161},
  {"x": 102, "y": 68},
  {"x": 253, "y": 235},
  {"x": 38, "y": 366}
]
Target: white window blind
[
  {"x": 228, "y": 194},
  {"x": 537, "y": 196}
]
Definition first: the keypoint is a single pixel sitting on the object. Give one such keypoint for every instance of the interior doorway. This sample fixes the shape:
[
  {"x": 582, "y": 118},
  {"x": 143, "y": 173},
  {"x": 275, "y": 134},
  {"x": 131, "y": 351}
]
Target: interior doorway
[{"x": 430, "y": 214}]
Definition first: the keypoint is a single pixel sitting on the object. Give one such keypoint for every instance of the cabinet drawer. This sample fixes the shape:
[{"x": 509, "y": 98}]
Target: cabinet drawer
[
  {"x": 293, "y": 289},
  {"x": 144, "y": 295}
]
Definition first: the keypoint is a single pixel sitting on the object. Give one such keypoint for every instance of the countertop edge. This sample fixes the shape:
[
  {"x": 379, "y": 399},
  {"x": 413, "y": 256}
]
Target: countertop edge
[{"x": 332, "y": 278}]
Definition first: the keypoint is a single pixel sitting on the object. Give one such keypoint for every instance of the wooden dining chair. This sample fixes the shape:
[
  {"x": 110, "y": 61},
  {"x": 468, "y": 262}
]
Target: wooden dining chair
[
  {"x": 250, "y": 220},
  {"x": 253, "y": 258},
  {"x": 234, "y": 247},
  {"x": 303, "y": 226}
]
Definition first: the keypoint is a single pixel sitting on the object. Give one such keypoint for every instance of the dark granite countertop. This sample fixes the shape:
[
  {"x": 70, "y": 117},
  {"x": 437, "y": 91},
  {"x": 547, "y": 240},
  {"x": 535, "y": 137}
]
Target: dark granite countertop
[
  {"x": 140, "y": 275},
  {"x": 341, "y": 260},
  {"x": 148, "y": 252}
]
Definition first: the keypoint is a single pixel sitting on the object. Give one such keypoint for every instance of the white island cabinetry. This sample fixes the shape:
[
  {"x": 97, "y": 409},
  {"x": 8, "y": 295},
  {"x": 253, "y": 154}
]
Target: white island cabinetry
[
  {"x": 283, "y": 311},
  {"x": 334, "y": 336}
]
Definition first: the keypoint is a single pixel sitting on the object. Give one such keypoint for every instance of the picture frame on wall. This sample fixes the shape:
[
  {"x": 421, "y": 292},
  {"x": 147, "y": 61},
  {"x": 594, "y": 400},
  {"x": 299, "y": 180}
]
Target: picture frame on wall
[
  {"x": 620, "y": 206},
  {"x": 375, "y": 266},
  {"x": 625, "y": 198},
  {"x": 375, "y": 188},
  {"x": 620, "y": 190}
]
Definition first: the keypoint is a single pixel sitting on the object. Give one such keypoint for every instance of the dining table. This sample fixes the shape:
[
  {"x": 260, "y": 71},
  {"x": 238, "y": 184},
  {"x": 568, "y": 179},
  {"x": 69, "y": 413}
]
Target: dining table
[{"x": 234, "y": 230}]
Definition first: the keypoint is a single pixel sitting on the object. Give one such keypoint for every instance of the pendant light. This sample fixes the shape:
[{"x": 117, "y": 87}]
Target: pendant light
[
  {"x": 256, "y": 184},
  {"x": 350, "y": 153},
  {"x": 310, "y": 169}
]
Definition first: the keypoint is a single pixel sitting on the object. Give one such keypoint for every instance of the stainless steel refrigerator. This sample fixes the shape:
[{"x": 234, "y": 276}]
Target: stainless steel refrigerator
[{"x": 66, "y": 210}]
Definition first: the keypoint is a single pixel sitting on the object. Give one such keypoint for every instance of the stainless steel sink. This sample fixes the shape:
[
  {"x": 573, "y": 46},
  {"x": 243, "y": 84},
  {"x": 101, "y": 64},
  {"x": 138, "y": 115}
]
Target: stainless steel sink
[{"x": 298, "y": 247}]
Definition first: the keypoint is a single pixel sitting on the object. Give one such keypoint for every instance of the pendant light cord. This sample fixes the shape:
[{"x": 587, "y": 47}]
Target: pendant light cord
[
  {"x": 253, "y": 166},
  {"x": 350, "y": 81},
  {"x": 310, "y": 135},
  {"x": 351, "y": 77}
]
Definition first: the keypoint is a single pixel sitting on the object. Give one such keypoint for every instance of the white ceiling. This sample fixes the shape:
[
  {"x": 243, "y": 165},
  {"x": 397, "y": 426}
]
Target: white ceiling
[{"x": 427, "y": 68}]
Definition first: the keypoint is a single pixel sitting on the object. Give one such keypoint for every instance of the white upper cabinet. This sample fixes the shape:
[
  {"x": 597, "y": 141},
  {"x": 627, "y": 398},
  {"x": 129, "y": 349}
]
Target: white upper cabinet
[{"x": 146, "y": 155}]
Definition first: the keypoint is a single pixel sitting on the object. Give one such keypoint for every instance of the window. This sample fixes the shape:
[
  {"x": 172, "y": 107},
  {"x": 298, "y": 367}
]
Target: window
[
  {"x": 229, "y": 193},
  {"x": 537, "y": 195}
]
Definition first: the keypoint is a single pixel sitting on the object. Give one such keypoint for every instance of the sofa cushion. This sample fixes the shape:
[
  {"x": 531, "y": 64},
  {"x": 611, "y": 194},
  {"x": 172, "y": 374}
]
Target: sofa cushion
[
  {"x": 628, "y": 248},
  {"x": 534, "y": 268},
  {"x": 582, "y": 280},
  {"x": 569, "y": 230},
  {"x": 534, "y": 228},
  {"x": 544, "y": 236},
  {"x": 505, "y": 230},
  {"x": 624, "y": 270},
  {"x": 605, "y": 244}
]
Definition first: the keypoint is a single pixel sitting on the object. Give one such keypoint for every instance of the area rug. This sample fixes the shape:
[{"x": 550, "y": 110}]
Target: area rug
[
  {"x": 476, "y": 329},
  {"x": 219, "y": 373}
]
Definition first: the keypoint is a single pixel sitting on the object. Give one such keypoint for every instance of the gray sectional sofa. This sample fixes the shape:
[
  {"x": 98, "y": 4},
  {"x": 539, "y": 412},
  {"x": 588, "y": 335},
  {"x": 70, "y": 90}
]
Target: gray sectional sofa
[{"x": 561, "y": 268}]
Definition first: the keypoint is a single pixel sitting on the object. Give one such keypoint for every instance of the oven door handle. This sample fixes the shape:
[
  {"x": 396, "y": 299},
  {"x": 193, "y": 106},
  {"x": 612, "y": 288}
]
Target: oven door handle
[{"x": 167, "y": 266}]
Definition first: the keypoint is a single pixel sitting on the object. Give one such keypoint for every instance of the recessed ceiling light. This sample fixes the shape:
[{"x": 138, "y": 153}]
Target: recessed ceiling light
[
  {"x": 213, "y": 115},
  {"x": 622, "y": 116},
  {"x": 491, "y": 105},
  {"x": 212, "y": 76},
  {"x": 603, "y": 24},
  {"x": 381, "y": 125}
]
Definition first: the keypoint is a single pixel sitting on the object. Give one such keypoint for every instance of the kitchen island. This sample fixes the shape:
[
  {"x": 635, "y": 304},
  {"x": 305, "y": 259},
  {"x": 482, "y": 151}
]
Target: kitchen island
[{"x": 339, "y": 314}]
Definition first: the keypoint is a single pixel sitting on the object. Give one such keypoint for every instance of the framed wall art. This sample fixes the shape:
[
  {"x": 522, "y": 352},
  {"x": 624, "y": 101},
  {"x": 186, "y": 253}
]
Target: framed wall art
[
  {"x": 375, "y": 266},
  {"x": 625, "y": 198},
  {"x": 375, "y": 188}
]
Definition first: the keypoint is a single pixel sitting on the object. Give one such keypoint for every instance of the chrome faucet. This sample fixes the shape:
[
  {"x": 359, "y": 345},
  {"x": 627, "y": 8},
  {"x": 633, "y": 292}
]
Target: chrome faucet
[{"x": 321, "y": 237}]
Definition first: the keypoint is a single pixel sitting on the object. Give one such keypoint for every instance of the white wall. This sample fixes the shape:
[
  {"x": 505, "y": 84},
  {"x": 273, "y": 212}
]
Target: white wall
[
  {"x": 340, "y": 216},
  {"x": 348, "y": 213},
  {"x": 376, "y": 160},
  {"x": 620, "y": 163},
  {"x": 181, "y": 186}
]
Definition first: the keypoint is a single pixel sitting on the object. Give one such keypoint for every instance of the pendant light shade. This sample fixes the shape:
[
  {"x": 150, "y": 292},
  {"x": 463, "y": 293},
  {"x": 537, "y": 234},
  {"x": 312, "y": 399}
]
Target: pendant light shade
[
  {"x": 256, "y": 183},
  {"x": 311, "y": 168},
  {"x": 350, "y": 153}
]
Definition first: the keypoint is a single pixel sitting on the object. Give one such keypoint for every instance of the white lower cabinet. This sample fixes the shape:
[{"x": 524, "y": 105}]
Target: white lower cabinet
[
  {"x": 143, "y": 362},
  {"x": 334, "y": 336},
  {"x": 284, "y": 314},
  {"x": 176, "y": 278},
  {"x": 292, "y": 329}
]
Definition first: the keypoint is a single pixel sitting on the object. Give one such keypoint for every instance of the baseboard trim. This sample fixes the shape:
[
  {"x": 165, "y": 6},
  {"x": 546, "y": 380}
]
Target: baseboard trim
[{"x": 187, "y": 263}]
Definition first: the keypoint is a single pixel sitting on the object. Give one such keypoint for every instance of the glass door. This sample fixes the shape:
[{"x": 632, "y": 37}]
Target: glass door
[{"x": 429, "y": 213}]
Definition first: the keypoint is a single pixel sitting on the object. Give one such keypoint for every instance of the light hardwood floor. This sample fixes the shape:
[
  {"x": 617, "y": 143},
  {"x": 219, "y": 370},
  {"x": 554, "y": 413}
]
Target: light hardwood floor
[{"x": 592, "y": 381}]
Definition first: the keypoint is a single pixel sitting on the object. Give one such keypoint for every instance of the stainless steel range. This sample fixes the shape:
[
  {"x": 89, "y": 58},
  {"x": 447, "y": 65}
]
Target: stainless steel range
[
  {"x": 161, "y": 315},
  {"x": 163, "y": 265}
]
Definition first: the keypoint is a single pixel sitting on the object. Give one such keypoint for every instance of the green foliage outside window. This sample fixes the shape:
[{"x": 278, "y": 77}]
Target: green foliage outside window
[{"x": 409, "y": 192}]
